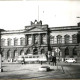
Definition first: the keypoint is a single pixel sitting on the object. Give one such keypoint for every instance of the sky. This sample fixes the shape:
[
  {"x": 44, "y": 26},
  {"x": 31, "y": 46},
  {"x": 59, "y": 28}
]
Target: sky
[{"x": 15, "y": 15}]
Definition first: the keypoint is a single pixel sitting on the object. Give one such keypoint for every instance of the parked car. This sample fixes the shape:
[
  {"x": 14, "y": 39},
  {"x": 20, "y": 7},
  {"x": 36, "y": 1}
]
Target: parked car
[{"x": 73, "y": 60}]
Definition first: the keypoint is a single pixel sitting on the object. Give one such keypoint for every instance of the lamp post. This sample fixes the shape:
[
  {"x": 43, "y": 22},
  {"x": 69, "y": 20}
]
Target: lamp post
[{"x": 1, "y": 70}]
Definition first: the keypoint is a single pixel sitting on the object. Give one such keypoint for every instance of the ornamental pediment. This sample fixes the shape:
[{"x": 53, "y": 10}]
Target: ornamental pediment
[{"x": 36, "y": 27}]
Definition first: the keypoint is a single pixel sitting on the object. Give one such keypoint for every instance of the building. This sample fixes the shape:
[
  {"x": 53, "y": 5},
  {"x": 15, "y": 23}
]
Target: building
[
  {"x": 64, "y": 41},
  {"x": 39, "y": 39}
]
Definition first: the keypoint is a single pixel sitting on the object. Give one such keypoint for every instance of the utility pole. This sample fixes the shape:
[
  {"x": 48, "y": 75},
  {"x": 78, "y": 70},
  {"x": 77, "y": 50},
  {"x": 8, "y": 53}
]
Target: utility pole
[
  {"x": 1, "y": 70},
  {"x": 78, "y": 38}
]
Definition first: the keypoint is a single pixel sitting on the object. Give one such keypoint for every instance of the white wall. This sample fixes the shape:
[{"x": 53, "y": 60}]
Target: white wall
[
  {"x": 12, "y": 36},
  {"x": 63, "y": 33}
]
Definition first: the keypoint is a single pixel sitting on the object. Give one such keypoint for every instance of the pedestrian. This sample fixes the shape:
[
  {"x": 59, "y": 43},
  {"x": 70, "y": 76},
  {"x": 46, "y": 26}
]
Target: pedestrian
[
  {"x": 49, "y": 58},
  {"x": 46, "y": 54},
  {"x": 53, "y": 60},
  {"x": 23, "y": 62},
  {"x": 41, "y": 57}
]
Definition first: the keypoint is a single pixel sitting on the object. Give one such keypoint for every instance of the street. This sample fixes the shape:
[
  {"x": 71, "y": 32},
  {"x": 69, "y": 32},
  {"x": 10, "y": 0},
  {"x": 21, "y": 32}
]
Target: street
[{"x": 31, "y": 71}]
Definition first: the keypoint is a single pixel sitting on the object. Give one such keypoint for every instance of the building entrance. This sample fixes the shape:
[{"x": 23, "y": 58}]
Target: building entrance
[{"x": 35, "y": 51}]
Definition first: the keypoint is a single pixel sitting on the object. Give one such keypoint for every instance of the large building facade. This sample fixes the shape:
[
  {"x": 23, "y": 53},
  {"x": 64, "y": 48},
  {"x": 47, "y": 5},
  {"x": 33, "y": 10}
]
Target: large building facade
[{"x": 38, "y": 39}]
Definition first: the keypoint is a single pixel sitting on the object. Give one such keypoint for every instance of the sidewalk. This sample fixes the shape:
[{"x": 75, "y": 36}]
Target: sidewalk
[{"x": 31, "y": 71}]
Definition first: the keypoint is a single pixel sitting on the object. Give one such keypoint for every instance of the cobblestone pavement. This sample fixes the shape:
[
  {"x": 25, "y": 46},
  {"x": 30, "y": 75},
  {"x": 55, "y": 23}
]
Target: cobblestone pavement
[{"x": 31, "y": 71}]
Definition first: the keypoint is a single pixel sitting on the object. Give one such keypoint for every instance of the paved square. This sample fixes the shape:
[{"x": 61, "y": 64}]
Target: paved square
[{"x": 31, "y": 71}]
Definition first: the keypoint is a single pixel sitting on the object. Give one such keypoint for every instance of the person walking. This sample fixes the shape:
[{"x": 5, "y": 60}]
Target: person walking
[
  {"x": 53, "y": 60},
  {"x": 23, "y": 62}
]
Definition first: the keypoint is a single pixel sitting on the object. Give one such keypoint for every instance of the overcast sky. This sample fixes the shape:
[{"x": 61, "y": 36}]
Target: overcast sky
[{"x": 17, "y": 14}]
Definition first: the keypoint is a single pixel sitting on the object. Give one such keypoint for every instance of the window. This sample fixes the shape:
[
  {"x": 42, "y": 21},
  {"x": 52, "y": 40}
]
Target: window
[
  {"x": 67, "y": 38},
  {"x": 2, "y": 53},
  {"x": 15, "y": 41},
  {"x": 22, "y": 41},
  {"x": 67, "y": 51},
  {"x": 74, "y": 38},
  {"x": 9, "y": 42},
  {"x": 42, "y": 51},
  {"x": 43, "y": 41},
  {"x": 59, "y": 39},
  {"x": 29, "y": 39},
  {"x": 36, "y": 39},
  {"x": 2, "y": 42},
  {"x": 21, "y": 52},
  {"x": 8, "y": 54},
  {"x": 51, "y": 39},
  {"x": 35, "y": 51},
  {"x": 74, "y": 51},
  {"x": 15, "y": 54},
  {"x": 27, "y": 52}
]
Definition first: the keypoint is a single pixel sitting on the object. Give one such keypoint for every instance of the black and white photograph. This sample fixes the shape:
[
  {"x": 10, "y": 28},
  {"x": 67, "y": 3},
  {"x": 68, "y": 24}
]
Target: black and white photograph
[{"x": 40, "y": 39}]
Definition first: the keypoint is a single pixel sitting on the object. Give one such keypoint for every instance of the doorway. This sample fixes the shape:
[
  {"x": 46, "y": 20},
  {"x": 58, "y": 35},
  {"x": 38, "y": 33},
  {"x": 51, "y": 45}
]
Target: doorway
[{"x": 35, "y": 51}]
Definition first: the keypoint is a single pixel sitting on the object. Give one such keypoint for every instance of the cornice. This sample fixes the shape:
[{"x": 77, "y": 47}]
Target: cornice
[
  {"x": 65, "y": 28},
  {"x": 12, "y": 31}
]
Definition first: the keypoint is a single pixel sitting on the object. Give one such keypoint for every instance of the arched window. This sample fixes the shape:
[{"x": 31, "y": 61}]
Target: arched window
[
  {"x": 59, "y": 39},
  {"x": 42, "y": 51},
  {"x": 67, "y": 51},
  {"x": 51, "y": 39},
  {"x": 74, "y": 51},
  {"x": 22, "y": 41},
  {"x": 15, "y": 54},
  {"x": 28, "y": 52},
  {"x": 2, "y": 53},
  {"x": 9, "y": 42},
  {"x": 21, "y": 52},
  {"x": 2, "y": 42},
  {"x": 67, "y": 38},
  {"x": 35, "y": 51},
  {"x": 8, "y": 54},
  {"x": 15, "y": 41},
  {"x": 74, "y": 38}
]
